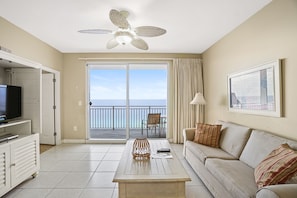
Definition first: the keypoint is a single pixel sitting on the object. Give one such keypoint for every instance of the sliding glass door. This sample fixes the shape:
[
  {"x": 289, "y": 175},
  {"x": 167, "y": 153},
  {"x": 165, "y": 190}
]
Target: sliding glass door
[
  {"x": 122, "y": 95},
  {"x": 147, "y": 95}
]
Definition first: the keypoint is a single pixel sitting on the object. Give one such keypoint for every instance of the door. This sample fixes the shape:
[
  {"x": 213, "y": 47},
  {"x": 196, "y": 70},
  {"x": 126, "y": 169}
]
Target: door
[
  {"x": 121, "y": 95},
  {"x": 107, "y": 101},
  {"x": 147, "y": 95},
  {"x": 47, "y": 135}
]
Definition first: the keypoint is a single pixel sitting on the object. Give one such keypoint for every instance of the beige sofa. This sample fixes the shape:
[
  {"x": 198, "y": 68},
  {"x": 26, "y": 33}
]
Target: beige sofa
[{"x": 228, "y": 171}]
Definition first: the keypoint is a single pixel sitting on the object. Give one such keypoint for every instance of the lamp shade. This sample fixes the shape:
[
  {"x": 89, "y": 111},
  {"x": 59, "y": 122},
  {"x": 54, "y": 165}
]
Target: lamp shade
[{"x": 198, "y": 99}]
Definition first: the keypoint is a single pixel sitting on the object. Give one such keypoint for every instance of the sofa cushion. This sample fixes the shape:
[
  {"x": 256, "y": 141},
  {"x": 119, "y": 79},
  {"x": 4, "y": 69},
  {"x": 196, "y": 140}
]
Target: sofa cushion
[
  {"x": 260, "y": 144},
  {"x": 237, "y": 177},
  {"x": 207, "y": 134},
  {"x": 203, "y": 152},
  {"x": 233, "y": 137},
  {"x": 279, "y": 166}
]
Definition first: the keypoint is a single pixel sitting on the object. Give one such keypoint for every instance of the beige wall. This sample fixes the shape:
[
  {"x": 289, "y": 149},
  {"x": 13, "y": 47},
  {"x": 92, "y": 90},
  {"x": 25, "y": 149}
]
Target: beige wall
[
  {"x": 25, "y": 45},
  {"x": 74, "y": 84},
  {"x": 268, "y": 35},
  {"x": 73, "y": 72}
]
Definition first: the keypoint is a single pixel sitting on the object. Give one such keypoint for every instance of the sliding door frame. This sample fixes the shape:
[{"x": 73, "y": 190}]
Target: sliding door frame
[{"x": 106, "y": 64}]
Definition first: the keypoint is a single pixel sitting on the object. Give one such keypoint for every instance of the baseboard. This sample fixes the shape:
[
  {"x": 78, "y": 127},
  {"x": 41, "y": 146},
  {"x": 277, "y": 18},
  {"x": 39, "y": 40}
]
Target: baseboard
[
  {"x": 74, "y": 141},
  {"x": 106, "y": 141},
  {"x": 93, "y": 141}
]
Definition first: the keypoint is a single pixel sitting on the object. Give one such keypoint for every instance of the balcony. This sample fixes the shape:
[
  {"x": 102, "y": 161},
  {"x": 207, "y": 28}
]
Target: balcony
[{"x": 111, "y": 121}]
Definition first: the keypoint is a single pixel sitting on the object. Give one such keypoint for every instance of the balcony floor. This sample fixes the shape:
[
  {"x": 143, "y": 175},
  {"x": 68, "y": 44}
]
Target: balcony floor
[{"x": 121, "y": 133}]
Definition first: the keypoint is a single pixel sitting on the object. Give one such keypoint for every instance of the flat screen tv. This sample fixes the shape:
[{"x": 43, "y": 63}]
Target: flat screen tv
[{"x": 10, "y": 102}]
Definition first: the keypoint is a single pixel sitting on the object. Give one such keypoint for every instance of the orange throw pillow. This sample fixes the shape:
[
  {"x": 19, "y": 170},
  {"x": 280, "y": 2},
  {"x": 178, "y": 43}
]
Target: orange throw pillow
[
  {"x": 207, "y": 134},
  {"x": 278, "y": 167}
]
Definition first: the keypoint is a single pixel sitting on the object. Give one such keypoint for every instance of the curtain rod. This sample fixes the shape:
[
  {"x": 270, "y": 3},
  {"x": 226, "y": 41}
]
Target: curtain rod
[{"x": 118, "y": 59}]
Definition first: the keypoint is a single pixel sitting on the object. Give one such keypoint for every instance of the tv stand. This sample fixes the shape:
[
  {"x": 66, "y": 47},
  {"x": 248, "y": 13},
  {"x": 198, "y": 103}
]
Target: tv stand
[
  {"x": 17, "y": 127},
  {"x": 7, "y": 137},
  {"x": 19, "y": 156}
]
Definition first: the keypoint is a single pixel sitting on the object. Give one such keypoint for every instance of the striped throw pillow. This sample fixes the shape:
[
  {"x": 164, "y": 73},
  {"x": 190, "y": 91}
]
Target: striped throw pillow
[
  {"x": 208, "y": 134},
  {"x": 278, "y": 167}
]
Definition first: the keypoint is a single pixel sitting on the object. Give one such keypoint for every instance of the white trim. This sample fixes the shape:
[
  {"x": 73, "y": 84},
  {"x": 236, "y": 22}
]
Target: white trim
[
  {"x": 87, "y": 97},
  {"x": 11, "y": 60},
  {"x": 112, "y": 64},
  {"x": 48, "y": 69},
  {"x": 17, "y": 61},
  {"x": 118, "y": 64},
  {"x": 57, "y": 76},
  {"x": 127, "y": 100}
]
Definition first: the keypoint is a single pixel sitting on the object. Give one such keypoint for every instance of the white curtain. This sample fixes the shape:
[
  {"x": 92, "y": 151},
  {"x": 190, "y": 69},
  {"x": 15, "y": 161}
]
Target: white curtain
[{"x": 185, "y": 80}]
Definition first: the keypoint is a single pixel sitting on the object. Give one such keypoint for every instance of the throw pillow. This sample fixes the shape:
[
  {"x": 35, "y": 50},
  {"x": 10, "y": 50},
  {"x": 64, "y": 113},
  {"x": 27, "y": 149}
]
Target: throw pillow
[
  {"x": 278, "y": 167},
  {"x": 293, "y": 180},
  {"x": 207, "y": 134}
]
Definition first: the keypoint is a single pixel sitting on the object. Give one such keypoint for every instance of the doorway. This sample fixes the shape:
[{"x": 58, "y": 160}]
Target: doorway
[
  {"x": 50, "y": 108},
  {"x": 120, "y": 97}
]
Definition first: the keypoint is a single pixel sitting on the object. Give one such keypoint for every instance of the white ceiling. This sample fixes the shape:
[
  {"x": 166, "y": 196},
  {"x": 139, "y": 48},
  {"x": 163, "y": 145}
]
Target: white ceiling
[{"x": 192, "y": 25}]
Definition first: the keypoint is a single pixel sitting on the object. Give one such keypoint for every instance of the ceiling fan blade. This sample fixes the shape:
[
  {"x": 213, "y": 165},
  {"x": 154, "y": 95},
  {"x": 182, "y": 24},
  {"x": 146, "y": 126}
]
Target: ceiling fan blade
[
  {"x": 96, "y": 31},
  {"x": 139, "y": 43},
  {"x": 119, "y": 18},
  {"x": 112, "y": 43},
  {"x": 149, "y": 31}
]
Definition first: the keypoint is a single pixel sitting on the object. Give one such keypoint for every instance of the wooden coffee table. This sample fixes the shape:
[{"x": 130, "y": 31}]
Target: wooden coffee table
[{"x": 153, "y": 178}]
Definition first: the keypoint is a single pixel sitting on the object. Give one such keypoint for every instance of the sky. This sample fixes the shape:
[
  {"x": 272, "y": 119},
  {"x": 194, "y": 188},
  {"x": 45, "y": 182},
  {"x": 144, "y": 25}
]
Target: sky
[{"x": 143, "y": 84}]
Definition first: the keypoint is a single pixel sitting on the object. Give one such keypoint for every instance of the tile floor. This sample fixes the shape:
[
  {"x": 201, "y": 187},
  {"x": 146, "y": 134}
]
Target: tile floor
[{"x": 86, "y": 171}]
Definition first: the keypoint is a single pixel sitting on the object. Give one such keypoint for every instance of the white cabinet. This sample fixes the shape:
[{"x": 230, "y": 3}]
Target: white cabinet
[
  {"x": 19, "y": 158},
  {"x": 4, "y": 168},
  {"x": 24, "y": 158}
]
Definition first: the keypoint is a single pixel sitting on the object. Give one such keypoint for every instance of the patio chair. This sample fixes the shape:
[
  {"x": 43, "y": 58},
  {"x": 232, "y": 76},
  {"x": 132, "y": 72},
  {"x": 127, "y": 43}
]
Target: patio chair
[{"x": 152, "y": 122}]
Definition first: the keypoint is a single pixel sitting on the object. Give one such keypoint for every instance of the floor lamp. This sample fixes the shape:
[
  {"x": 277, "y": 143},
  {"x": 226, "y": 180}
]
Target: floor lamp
[{"x": 198, "y": 100}]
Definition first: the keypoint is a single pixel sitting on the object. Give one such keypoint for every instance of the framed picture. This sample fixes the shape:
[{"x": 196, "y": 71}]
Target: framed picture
[{"x": 257, "y": 90}]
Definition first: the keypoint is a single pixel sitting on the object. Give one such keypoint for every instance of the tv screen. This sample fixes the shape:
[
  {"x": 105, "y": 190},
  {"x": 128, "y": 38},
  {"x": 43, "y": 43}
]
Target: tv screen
[
  {"x": 13, "y": 102},
  {"x": 2, "y": 102},
  {"x": 10, "y": 102}
]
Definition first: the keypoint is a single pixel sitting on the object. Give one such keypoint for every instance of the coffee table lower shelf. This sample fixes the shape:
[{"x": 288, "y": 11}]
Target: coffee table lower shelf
[{"x": 152, "y": 190}]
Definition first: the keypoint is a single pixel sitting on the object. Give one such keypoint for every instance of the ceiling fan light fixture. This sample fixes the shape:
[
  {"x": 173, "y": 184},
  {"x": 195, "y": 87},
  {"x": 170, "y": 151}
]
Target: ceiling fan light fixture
[
  {"x": 125, "y": 34},
  {"x": 123, "y": 37}
]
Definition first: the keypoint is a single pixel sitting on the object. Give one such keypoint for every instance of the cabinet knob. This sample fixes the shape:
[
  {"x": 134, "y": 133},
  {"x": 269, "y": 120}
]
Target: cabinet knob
[{"x": 12, "y": 165}]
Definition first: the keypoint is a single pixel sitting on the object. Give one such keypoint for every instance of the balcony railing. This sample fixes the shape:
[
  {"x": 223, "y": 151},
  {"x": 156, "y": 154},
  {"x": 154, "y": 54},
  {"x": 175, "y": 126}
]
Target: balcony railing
[{"x": 114, "y": 117}]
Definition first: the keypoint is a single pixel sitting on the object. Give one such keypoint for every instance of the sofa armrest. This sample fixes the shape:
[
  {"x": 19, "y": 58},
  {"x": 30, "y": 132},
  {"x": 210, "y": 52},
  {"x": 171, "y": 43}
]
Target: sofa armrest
[
  {"x": 278, "y": 191},
  {"x": 188, "y": 134}
]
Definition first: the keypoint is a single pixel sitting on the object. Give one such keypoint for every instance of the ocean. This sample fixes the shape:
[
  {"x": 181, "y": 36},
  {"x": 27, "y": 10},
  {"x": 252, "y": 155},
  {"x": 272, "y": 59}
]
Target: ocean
[
  {"x": 106, "y": 114},
  {"x": 151, "y": 102}
]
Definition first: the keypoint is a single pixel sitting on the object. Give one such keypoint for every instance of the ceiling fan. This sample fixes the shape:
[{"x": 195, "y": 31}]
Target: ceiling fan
[{"x": 125, "y": 33}]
